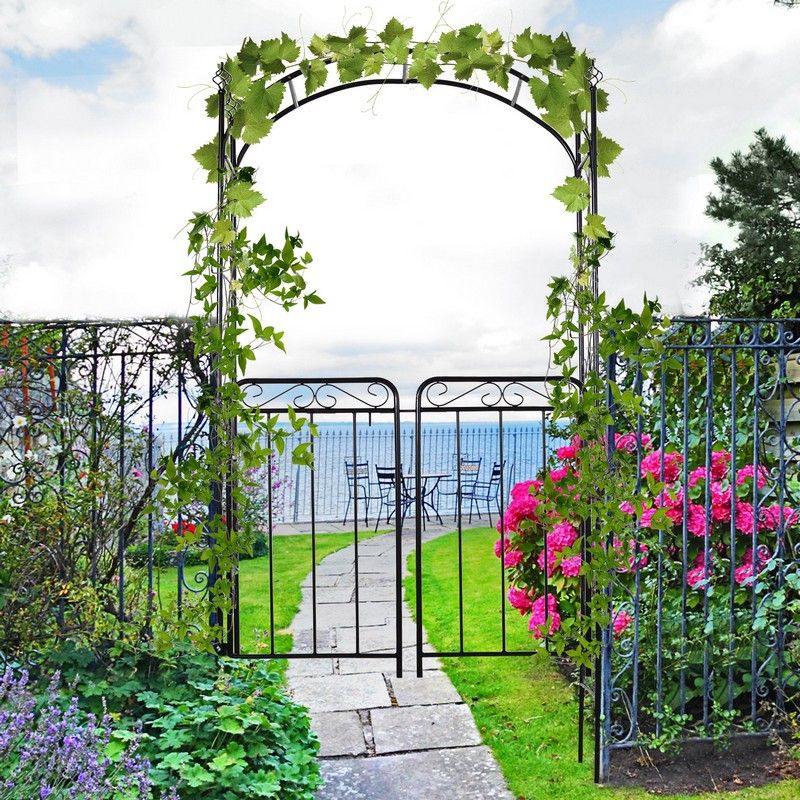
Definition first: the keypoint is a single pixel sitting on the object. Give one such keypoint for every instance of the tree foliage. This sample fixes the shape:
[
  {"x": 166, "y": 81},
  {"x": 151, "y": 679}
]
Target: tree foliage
[{"x": 758, "y": 194}]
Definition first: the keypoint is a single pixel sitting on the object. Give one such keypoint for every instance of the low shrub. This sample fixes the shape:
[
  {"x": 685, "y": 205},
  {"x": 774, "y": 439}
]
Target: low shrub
[{"x": 214, "y": 728}]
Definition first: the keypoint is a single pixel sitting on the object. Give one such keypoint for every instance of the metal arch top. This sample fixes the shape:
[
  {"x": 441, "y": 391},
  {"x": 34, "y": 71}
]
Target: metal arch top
[{"x": 572, "y": 154}]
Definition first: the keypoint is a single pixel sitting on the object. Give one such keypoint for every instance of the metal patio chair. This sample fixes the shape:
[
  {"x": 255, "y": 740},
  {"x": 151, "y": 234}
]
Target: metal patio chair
[
  {"x": 358, "y": 486},
  {"x": 487, "y": 492},
  {"x": 470, "y": 469},
  {"x": 386, "y": 487}
]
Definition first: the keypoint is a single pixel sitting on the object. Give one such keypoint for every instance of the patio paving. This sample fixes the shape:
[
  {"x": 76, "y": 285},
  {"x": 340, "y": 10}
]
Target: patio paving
[{"x": 383, "y": 737}]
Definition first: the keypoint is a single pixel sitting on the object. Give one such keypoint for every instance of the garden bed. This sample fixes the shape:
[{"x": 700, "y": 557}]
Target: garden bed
[{"x": 700, "y": 767}]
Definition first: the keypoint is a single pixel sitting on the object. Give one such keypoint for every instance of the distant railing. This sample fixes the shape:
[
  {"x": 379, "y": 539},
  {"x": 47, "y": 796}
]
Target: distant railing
[{"x": 522, "y": 448}]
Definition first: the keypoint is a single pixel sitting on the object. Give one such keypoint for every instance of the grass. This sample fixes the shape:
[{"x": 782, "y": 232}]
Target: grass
[
  {"x": 291, "y": 564},
  {"x": 525, "y": 710}
]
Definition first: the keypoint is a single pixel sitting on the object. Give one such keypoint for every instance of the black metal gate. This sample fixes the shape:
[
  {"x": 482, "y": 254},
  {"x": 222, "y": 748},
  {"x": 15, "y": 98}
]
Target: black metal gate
[{"x": 350, "y": 404}]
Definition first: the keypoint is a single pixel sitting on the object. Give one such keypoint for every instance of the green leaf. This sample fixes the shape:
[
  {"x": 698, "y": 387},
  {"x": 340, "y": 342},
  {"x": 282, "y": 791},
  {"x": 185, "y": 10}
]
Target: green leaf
[
  {"x": 594, "y": 227},
  {"x": 196, "y": 776},
  {"x": 574, "y": 194},
  {"x": 315, "y": 71},
  {"x": 175, "y": 760},
  {"x": 425, "y": 67},
  {"x": 223, "y": 232},
  {"x": 537, "y": 48},
  {"x": 206, "y": 156},
  {"x": 264, "y": 784},
  {"x": 255, "y": 130},
  {"x": 374, "y": 63},
  {"x": 242, "y": 198},
  {"x": 395, "y": 30},
  {"x": 230, "y": 725},
  {"x": 607, "y": 152}
]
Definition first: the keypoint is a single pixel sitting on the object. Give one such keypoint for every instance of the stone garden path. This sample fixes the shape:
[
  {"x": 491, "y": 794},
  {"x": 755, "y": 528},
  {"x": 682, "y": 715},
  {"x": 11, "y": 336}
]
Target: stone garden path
[{"x": 383, "y": 737}]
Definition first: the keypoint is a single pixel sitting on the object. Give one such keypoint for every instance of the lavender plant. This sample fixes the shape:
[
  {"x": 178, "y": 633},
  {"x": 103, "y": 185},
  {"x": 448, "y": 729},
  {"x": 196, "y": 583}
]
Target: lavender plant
[{"x": 50, "y": 752}]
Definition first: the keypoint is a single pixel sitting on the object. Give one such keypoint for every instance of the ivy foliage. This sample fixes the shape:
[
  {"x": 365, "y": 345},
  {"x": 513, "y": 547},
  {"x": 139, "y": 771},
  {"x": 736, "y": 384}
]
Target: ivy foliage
[{"x": 233, "y": 272}]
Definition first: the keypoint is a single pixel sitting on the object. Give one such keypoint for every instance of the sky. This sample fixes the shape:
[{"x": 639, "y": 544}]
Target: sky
[{"x": 429, "y": 214}]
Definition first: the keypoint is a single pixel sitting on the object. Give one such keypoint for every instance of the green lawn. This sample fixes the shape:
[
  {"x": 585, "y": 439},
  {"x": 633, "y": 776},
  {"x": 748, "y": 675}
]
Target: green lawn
[
  {"x": 525, "y": 710},
  {"x": 291, "y": 564}
]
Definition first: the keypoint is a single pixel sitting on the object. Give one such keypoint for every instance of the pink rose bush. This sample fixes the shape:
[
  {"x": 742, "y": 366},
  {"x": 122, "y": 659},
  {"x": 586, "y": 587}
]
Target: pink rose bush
[{"x": 541, "y": 535}]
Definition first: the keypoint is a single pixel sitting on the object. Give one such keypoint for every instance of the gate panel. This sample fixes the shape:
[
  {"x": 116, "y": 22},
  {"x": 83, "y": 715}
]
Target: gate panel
[
  {"x": 502, "y": 436},
  {"x": 343, "y": 407}
]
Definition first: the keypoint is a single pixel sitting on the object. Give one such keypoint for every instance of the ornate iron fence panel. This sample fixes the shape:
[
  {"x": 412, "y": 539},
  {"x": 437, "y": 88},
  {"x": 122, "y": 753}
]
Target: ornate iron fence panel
[
  {"x": 353, "y": 402},
  {"x": 704, "y": 641},
  {"x": 83, "y": 410},
  {"x": 480, "y": 490}
]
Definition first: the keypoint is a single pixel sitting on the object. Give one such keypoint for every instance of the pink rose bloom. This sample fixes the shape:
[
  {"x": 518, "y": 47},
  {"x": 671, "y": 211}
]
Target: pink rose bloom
[
  {"x": 522, "y": 490},
  {"x": 770, "y": 517},
  {"x": 746, "y": 570},
  {"x": 136, "y": 472},
  {"x": 512, "y": 558},
  {"x": 720, "y": 503},
  {"x": 745, "y": 518},
  {"x": 539, "y": 619},
  {"x": 621, "y": 621},
  {"x": 651, "y": 465},
  {"x": 562, "y": 536},
  {"x": 747, "y": 472},
  {"x": 567, "y": 453},
  {"x": 551, "y": 561},
  {"x": 698, "y": 573},
  {"x": 519, "y": 599},
  {"x": 697, "y": 523},
  {"x": 559, "y": 474},
  {"x": 720, "y": 464},
  {"x": 627, "y": 508},
  {"x": 571, "y": 566},
  {"x": 500, "y": 545},
  {"x": 696, "y": 475},
  {"x": 627, "y": 441}
]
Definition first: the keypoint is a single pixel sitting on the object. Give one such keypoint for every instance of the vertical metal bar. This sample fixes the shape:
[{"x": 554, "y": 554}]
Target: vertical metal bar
[
  {"x": 178, "y": 459},
  {"x": 121, "y": 467},
  {"x": 709, "y": 431},
  {"x": 732, "y": 539},
  {"x": 418, "y": 521},
  {"x": 662, "y": 443},
  {"x": 502, "y": 549},
  {"x": 150, "y": 521},
  {"x": 398, "y": 536},
  {"x": 780, "y": 694},
  {"x": 355, "y": 526},
  {"x": 459, "y": 511},
  {"x": 684, "y": 536},
  {"x": 754, "y": 531},
  {"x": 270, "y": 540},
  {"x": 313, "y": 540},
  {"x": 93, "y": 458},
  {"x": 62, "y": 466}
]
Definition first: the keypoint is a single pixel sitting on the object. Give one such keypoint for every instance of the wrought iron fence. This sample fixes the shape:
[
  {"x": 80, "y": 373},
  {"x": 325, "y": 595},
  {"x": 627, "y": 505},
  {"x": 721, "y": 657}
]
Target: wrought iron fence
[
  {"x": 82, "y": 409},
  {"x": 704, "y": 634}
]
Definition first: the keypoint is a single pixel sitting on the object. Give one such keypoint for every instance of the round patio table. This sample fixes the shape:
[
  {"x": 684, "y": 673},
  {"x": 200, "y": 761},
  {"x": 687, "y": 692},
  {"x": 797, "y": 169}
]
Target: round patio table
[{"x": 429, "y": 481}]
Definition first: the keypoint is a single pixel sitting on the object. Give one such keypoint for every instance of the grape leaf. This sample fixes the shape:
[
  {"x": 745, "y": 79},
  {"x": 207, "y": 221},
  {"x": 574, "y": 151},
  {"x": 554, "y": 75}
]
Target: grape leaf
[
  {"x": 395, "y": 30},
  {"x": 594, "y": 227},
  {"x": 315, "y": 71},
  {"x": 537, "y": 48},
  {"x": 243, "y": 198},
  {"x": 425, "y": 68},
  {"x": 574, "y": 194},
  {"x": 374, "y": 63}
]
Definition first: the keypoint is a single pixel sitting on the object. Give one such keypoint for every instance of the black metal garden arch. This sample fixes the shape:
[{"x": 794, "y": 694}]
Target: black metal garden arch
[{"x": 582, "y": 154}]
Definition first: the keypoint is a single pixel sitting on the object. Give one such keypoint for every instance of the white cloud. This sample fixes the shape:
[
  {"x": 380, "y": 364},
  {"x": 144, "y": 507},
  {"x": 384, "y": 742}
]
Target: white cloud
[{"x": 431, "y": 223}]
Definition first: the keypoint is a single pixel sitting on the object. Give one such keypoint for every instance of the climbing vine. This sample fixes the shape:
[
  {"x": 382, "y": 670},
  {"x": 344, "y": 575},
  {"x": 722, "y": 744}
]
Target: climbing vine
[{"x": 233, "y": 274}]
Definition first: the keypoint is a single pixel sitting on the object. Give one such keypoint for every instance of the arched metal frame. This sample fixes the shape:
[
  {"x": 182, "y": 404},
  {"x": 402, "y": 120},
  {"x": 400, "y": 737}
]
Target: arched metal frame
[{"x": 230, "y": 158}]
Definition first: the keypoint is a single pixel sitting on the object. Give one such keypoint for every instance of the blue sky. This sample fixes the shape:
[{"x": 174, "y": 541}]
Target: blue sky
[{"x": 83, "y": 68}]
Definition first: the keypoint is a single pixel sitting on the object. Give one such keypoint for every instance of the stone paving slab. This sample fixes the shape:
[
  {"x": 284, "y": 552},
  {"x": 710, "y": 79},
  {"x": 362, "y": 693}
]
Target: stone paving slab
[
  {"x": 431, "y": 690},
  {"x": 383, "y": 737},
  {"x": 407, "y": 728},
  {"x": 341, "y": 692},
  {"x": 340, "y": 733},
  {"x": 466, "y": 773}
]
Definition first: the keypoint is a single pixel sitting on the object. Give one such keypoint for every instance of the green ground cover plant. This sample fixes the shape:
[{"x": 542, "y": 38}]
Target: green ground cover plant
[{"x": 524, "y": 707}]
